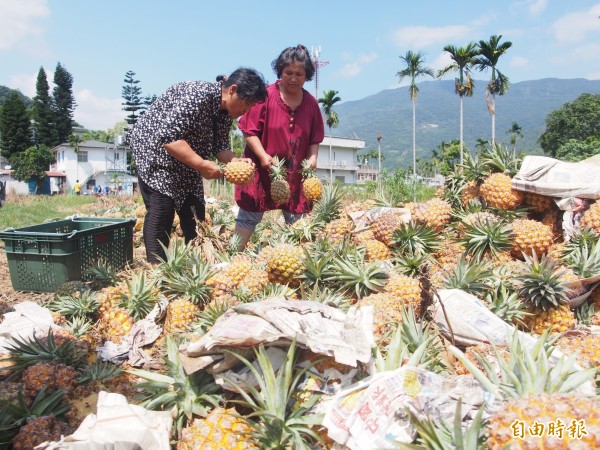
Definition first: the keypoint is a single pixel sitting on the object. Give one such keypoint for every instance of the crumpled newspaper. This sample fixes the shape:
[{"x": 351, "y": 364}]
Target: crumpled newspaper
[
  {"x": 143, "y": 332},
  {"x": 27, "y": 320},
  {"x": 372, "y": 414},
  {"x": 118, "y": 425},
  {"x": 325, "y": 330}
]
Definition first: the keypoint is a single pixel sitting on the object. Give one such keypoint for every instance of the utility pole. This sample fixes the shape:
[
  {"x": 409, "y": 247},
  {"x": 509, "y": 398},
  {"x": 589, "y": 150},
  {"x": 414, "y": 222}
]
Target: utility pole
[{"x": 379, "y": 157}]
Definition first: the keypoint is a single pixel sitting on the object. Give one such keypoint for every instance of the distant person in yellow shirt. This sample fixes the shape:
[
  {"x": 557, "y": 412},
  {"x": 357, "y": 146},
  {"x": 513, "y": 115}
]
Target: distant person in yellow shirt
[{"x": 77, "y": 188}]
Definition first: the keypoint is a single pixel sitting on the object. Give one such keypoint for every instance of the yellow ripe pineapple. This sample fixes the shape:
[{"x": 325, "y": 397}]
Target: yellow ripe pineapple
[
  {"x": 221, "y": 284},
  {"x": 115, "y": 324},
  {"x": 449, "y": 252},
  {"x": 38, "y": 430},
  {"x": 239, "y": 266},
  {"x": 563, "y": 417},
  {"x": 362, "y": 236},
  {"x": 497, "y": 191},
  {"x": 181, "y": 312},
  {"x": 49, "y": 376},
  {"x": 539, "y": 203},
  {"x": 585, "y": 347},
  {"x": 557, "y": 319},
  {"x": 530, "y": 236},
  {"x": 405, "y": 290},
  {"x": 221, "y": 429},
  {"x": 436, "y": 214},
  {"x": 280, "y": 188},
  {"x": 469, "y": 193},
  {"x": 286, "y": 265},
  {"x": 239, "y": 172},
  {"x": 384, "y": 315},
  {"x": 384, "y": 226},
  {"x": 312, "y": 188},
  {"x": 255, "y": 280},
  {"x": 591, "y": 217},
  {"x": 338, "y": 229},
  {"x": 264, "y": 255},
  {"x": 376, "y": 250}
]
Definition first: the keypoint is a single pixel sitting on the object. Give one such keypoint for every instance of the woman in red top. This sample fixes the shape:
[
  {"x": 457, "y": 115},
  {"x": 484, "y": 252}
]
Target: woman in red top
[{"x": 288, "y": 124}]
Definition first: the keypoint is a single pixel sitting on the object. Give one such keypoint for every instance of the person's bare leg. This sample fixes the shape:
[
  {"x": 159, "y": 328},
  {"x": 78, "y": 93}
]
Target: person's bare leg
[{"x": 244, "y": 234}]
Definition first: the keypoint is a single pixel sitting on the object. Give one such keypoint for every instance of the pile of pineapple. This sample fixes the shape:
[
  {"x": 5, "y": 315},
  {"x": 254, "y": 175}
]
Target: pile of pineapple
[{"x": 477, "y": 234}]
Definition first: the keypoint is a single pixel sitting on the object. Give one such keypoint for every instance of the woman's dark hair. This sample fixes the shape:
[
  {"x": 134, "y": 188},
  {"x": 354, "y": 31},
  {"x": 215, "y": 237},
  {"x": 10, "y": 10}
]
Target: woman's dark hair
[
  {"x": 251, "y": 85},
  {"x": 300, "y": 54},
  {"x": 221, "y": 77}
]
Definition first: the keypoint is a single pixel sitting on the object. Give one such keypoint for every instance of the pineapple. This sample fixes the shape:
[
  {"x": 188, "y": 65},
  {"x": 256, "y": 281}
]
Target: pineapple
[
  {"x": 591, "y": 217},
  {"x": 469, "y": 193},
  {"x": 497, "y": 191},
  {"x": 220, "y": 284},
  {"x": 384, "y": 226},
  {"x": 436, "y": 213},
  {"x": 404, "y": 291},
  {"x": 255, "y": 280},
  {"x": 312, "y": 188},
  {"x": 385, "y": 317},
  {"x": 181, "y": 312},
  {"x": 530, "y": 236},
  {"x": 39, "y": 430},
  {"x": 237, "y": 269},
  {"x": 376, "y": 250},
  {"x": 539, "y": 203},
  {"x": 286, "y": 265},
  {"x": 280, "y": 188},
  {"x": 414, "y": 238},
  {"x": 541, "y": 288},
  {"x": 239, "y": 172},
  {"x": 337, "y": 229},
  {"x": 221, "y": 429},
  {"x": 485, "y": 236},
  {"x": 49, "y": 376}
]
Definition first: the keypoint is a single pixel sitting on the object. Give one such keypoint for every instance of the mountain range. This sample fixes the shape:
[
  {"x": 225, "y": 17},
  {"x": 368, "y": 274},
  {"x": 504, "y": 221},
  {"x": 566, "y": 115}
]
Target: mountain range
[{"x": 526, "y": 103}]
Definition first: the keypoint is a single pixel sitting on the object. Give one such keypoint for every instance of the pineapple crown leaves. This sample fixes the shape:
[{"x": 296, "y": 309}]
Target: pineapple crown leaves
[
  {"x": 307, "y": 170},
  {"x": 84, "y": 304},
  {"x": 410, "y": 264},
  {"x": 191, "y": 395},
  {"x": 328, "y": 207},
  {"x": 142, "y": 295},
  {"x": 499, "y": 158},
  {"x": 469, "y": 275},
  {"x": 529, "y": 369},
  {"x": 103, "y": 273},
  {"x": 315, "y": 265},
  {"x": 415, "y": 238},
  {"x": 100, "y": 370},
  {"x": 282, "y": 423},
  {"x": 353, "y": 274},
  {"x": 584, "y": 259},
  {"x": 473, "y": 169},
  {"x": 278, "y": 169},
  {"x": 79, "y": 326},
  {"x": 177, "y": 256},
  {"x": 322, "y": 294},
  {"x": 486, "y": 237},
  {"x": 440, "y": 435},
  {"x": 190, "y": 282},
  {"x": 540, "y": 283},
  {"x": 506, "y": 304},
  {"x": 24, "y": 353},
  {"x": 210, "y": 314},
  {"x": 584, "y": 313},
  {"x": 13, "y": 416}
]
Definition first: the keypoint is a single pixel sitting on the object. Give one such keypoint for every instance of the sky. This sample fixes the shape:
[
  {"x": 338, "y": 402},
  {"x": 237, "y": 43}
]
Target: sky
[{"x": 360, "y": 42}]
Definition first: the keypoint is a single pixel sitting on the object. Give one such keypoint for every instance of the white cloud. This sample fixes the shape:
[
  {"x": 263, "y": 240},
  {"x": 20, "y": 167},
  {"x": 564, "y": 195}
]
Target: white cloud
[
  {"x": 97, "y": 113},
  {"x": 537, "y": 7},
  {"x": 518, "y": 61},
  {"x": 354, "y": 67},
  {"x": 420, "y": 37},
  {"x": 575, "y": 26},
  {"x": 18, "y": 21},
  {"x": 25, "y": 83}
]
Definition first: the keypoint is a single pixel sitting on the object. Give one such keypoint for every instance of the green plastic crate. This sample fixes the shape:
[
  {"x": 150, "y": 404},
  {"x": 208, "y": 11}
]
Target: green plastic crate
[{"x": 42, "y": 257}]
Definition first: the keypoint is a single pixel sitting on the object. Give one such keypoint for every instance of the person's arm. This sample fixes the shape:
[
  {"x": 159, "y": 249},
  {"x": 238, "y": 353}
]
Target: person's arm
[
  {"x": 181, "y": 151},
  {"x": 257, "y": 148},
  {"x": 227, "y": 156},
  {"x": 313, "y": 153}
]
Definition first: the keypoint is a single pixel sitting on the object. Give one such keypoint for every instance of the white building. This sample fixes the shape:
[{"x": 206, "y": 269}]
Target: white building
[
  {"x": 342, "y": 163},
  {"x": 95, "y": 164}
]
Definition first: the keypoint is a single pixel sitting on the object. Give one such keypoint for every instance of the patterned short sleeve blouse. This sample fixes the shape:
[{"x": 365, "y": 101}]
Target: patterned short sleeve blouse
[{"x": 188, "y": 111}]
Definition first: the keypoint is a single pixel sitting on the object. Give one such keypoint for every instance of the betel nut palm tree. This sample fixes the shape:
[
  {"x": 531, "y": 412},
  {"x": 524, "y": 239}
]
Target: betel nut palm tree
[
  {"x": 413, "y": 69},
  {"x": 463, "y": 59},
  {"x": 489, "y": 54},
  {"x": 332, "y": 119}
]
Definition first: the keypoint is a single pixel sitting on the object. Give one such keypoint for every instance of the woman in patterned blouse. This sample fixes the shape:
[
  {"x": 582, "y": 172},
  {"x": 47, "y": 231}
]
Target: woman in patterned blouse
[
  {"x": 172, "y": 143},
  {"x": 288, "y": 124}
]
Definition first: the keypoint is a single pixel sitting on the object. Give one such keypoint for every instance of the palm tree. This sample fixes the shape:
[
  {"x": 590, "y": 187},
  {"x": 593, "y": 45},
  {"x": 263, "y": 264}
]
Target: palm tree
[
  {"x": 414, "y": 69},
  {"x": 489, "y": 54},
  {"x": 463, "y": 58},
  {"x": 515, "y": 131},
  {"x": 332, "y": 120}
]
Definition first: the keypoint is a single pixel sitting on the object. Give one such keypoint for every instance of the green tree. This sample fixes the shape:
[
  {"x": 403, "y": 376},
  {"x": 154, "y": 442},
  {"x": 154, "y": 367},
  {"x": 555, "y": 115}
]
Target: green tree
[
  {"x": 132, "y": 94},
  {"x": 42, "y": 112},
  {"x": 515, "y": 131},
  {"x": 96, "y": 135},
  {"x": 32, "y": 164},
  {"x": 414, "y": 68},
  {"x": 447, "y": 156},
  {"x": 64, "y": 104},
  {"x": 332, "y": 119},
  {"x": 575, "y": 150},
  {"x": 15, "y": 128},
  {"x": 463, "y": 59},
  {"x": 578, "y": 120},
  {"x": 489, "y": 54}
]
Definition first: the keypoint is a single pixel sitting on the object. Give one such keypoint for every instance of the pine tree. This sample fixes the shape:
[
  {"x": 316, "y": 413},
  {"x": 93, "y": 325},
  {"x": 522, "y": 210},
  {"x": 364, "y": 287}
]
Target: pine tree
[
  {"x": 42, "y": 112},
  {"x": 131, "y": 93},
  {"x": 64, "y": 104},
  {"x": 15, "y": 129}
]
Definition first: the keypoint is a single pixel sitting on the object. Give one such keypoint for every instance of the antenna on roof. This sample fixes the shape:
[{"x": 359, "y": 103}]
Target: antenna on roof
[{"x": 315, "y": 53}]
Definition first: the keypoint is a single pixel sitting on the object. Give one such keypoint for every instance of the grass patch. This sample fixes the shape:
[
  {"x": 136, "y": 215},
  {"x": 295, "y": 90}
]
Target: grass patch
[{"x": 24, "y": 210}]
